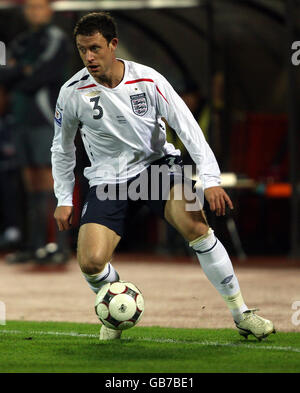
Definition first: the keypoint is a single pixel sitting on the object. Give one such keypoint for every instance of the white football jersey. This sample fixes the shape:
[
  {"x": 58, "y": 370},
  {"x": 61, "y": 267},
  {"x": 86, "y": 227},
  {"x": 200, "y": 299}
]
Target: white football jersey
[{"x": 122, "y": 129}]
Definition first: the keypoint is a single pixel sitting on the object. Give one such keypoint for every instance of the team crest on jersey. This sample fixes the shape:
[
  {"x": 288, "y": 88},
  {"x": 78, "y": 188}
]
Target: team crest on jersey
[
  {"x": 58, "y": 117},
  {"x": 139, "y": 104}
]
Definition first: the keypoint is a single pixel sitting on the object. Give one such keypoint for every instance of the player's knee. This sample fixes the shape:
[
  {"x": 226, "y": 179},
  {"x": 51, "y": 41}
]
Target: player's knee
[
  {"x": 195, "y": 230},
  {"x": 92, "y": 262}
]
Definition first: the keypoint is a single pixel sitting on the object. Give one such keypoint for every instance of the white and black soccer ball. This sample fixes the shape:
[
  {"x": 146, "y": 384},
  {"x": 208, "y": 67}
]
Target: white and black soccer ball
[{"x": 119, "y": 305}]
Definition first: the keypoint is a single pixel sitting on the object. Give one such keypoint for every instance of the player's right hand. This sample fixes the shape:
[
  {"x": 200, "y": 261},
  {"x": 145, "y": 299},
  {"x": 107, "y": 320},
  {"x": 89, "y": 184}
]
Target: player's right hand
[{"x": 63, "y": 216}]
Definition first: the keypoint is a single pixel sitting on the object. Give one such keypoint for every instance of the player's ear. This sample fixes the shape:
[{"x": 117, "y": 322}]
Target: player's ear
[{"x": 113, "y": 43}]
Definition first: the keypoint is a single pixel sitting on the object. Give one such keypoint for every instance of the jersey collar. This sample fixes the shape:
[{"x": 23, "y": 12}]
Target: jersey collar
[{"x": 122, "y": 81}]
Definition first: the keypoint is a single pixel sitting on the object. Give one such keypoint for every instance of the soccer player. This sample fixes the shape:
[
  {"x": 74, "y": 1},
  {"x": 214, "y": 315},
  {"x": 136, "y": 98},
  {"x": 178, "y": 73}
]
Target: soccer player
[{"x": 118, "y": 106}]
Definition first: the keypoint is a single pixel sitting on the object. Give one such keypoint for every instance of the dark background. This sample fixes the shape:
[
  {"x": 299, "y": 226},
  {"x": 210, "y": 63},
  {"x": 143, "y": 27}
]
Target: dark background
[{"x": 233, "y": 58}]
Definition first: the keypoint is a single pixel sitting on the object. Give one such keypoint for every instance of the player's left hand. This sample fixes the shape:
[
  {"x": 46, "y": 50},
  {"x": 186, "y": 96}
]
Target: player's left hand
[{"x": 217, "y": 199}]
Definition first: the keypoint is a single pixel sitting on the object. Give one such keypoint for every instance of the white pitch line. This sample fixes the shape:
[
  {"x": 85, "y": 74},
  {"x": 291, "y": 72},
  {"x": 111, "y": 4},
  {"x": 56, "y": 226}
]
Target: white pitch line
[
  {"x": 68, "y": 334},
  {"x": 217, "y": 344},
  {"x": 160, "y": 340}
]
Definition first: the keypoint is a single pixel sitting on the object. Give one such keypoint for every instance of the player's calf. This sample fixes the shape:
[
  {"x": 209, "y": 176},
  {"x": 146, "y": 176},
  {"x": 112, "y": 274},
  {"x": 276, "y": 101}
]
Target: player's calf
[
  {"x": 218, "y": 268},
  {"x": 190, "y": 224}
]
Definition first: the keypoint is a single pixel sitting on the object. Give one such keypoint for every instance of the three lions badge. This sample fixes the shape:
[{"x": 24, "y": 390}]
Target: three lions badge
[{"x": 139, "y": 104}]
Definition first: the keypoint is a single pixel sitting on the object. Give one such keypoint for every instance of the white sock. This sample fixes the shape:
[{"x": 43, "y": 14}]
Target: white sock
[
  {"x": 217, "y": 267},
  {"x": 96, "y": 281}
]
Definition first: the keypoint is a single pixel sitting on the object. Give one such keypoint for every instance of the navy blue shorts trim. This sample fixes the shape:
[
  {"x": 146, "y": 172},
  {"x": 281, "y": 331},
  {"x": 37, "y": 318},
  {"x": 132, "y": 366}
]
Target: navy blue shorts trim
[{"x": 112, "y": 213}]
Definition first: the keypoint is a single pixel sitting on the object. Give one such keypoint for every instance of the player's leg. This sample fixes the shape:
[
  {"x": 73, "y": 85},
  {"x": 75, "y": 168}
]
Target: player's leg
[
  {"x": 96, "y": 245},
  {"x": 211, "y": 253},
  {"x": 215, "y": 263},
  {"x": 101, "y": 228}
]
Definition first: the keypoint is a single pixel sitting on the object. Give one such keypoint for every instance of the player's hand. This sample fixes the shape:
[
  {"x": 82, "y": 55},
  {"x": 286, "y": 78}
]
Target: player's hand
[
  {"x": 63, "y": 216},
  {"x": 217, "y": 199}
]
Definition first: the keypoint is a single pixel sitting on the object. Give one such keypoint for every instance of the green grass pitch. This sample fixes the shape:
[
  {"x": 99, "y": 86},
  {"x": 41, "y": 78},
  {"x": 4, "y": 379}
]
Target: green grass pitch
[{"x": 71, "y": 347}]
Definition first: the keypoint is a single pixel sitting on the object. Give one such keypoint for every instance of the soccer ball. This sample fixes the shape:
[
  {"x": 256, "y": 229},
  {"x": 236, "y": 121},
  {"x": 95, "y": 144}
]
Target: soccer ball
[{"x": 119, "y": 305}]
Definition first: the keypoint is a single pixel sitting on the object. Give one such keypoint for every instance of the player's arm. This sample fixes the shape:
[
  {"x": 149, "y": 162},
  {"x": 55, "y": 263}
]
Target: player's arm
[
  {"x": 63, "y": 159},
  {"x": 180, "y": 118}
]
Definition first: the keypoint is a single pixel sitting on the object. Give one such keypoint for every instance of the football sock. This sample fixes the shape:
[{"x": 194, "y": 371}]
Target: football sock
[
  {"x": 217, "y": 267},
  {"x": 96, "y": 281}
]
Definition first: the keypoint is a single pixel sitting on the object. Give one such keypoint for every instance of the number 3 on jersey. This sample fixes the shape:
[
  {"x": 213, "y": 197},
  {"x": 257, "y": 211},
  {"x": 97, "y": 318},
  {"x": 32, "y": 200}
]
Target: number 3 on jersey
[{"x": 97, "y": 107}]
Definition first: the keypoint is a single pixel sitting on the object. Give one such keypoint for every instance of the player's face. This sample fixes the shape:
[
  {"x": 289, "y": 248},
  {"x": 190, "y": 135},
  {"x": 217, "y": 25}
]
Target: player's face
[
  {"x": 37, "y": 12},
  {"x": 96, "y": 54}
]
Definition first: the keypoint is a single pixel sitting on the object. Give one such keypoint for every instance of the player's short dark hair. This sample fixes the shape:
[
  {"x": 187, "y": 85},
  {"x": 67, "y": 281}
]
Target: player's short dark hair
[{"x": 95, "y": 22}]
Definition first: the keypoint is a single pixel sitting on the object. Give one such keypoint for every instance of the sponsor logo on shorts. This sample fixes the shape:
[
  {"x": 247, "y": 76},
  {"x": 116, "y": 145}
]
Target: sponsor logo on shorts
[
  {"x": 139, "y": 104},
  {"x": 58, "y": 117}
]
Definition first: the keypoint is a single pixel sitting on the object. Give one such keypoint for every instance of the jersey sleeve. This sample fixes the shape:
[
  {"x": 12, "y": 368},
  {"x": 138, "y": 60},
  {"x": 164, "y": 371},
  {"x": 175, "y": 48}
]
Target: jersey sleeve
[
  {"x": 63, "y": 149},
  {"x": 179, "y": 117}
]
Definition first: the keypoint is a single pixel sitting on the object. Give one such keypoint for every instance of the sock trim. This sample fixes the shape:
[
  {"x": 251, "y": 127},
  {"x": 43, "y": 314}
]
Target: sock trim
[
  {"x": 209, "y": 249},
  {"x": 94, "y": 277},
  {"x": 193, "y": 242},
  {"x": 106, "y": 275}
]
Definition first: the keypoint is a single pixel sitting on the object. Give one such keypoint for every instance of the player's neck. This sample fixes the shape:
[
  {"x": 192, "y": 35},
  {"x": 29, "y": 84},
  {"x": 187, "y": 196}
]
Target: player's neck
[{"x": 114, "y": 77}]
